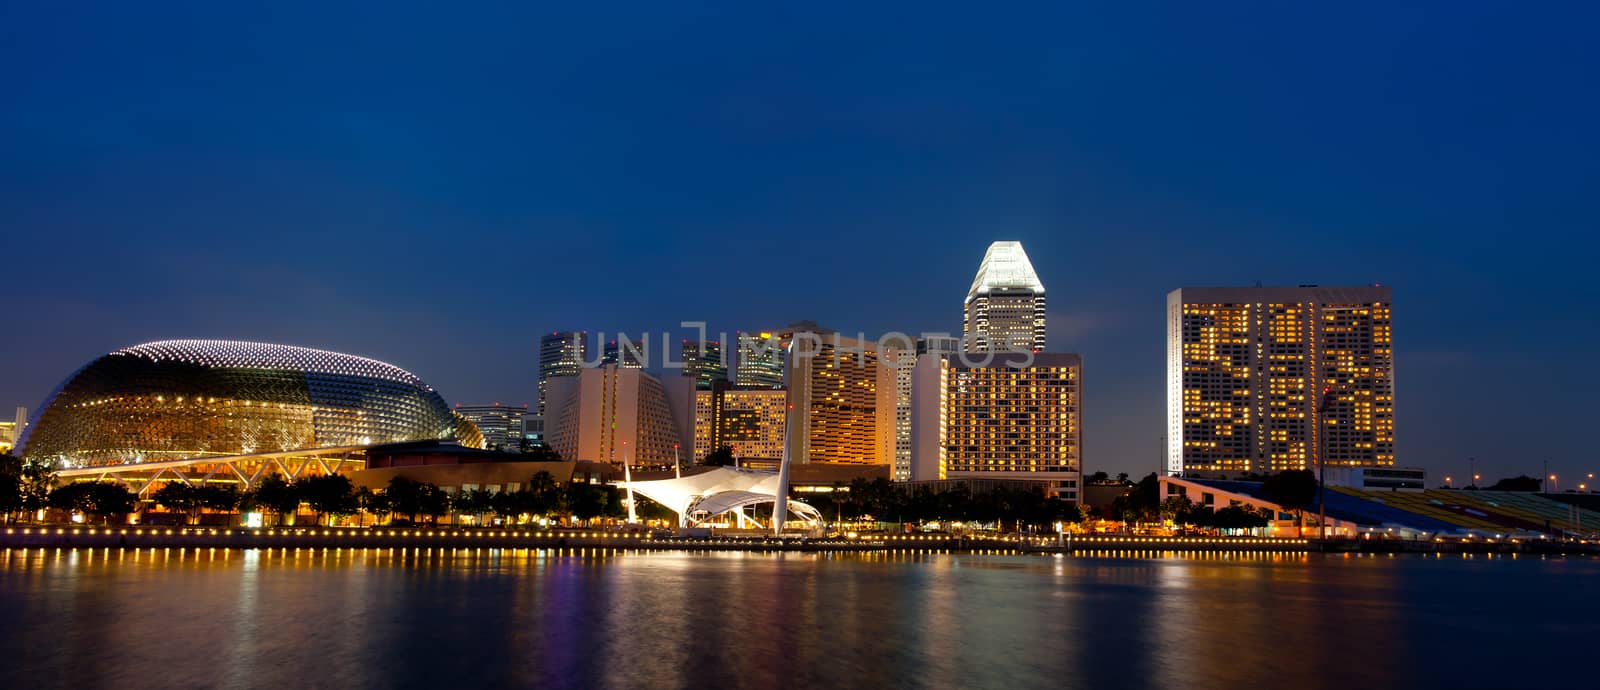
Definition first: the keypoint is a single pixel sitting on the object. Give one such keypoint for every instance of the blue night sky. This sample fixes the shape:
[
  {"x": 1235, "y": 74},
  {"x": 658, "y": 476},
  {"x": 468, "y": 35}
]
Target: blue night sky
[{"x": 434, "y": 185}]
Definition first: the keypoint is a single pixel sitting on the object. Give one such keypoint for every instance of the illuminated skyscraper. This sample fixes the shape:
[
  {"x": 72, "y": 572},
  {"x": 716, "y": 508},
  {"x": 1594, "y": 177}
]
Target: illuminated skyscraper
[
  {"x": 626, "y": 352},
  {"x": 760, "y": 362},
  {"x": 894, "y": 407},
  {"x": 1016, "y": 416},
  {"x": 895, "y": 386},
  {"x": 704, "y": 361},
  {"x": 501, "y": 425},
  {"x": 1247, "y": 369},
  {"x": 560, "y": 354},
  {"x": 833, "y": 386},
  {"x": 1005, "y": 308}
]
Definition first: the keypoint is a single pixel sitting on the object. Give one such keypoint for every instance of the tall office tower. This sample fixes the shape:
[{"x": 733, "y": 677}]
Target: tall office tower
[
  {"x": 1011, "y": 418},
  {"x": 560, "y": 354},
  {"x": 833, "y": 384},
  {"x": 628, "y": 353},
  {"x": 1249, "y": 369},
  {"x": 894, "y": 406},
  {"x": 501, "y": 424},
  {"x": 760, "y": 362},
  {"x": 704, "y": 361},
  {"x": 1004, "y": 309},
  {"x": 607, "y": 413}
]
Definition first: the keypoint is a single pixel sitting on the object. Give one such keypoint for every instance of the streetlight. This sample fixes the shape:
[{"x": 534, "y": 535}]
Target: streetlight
[
  {"x": 1322, "y": 466},
  {"x": 1554, "y": 487},
  {"x": 1472, "y": 467},
  {"x": 1448, "y": 482}
]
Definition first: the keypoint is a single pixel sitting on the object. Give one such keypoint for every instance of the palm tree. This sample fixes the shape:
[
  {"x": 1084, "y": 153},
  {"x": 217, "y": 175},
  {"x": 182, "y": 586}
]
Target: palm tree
[
  {"x": 404, "y": 496},
  {"x": 329, "y": 494},
  {"x": 544, "y": 493},
  {"x": 278, "y": 496},
  {"x": 218, "y": 497},
  {"x": 368, "y": 502},
  {"x": 475, "y": 502},
  {"x": 179, "y": 497}
]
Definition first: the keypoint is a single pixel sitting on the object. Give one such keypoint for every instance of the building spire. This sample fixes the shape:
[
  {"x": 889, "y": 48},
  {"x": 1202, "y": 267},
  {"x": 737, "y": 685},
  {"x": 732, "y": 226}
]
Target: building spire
[
  {"x": 1005, "y": 267},
  {"x": 1005, "y": 307}
]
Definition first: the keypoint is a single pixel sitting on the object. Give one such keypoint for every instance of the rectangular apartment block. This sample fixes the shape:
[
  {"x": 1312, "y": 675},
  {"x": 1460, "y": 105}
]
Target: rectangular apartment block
[{"x": 1265, "y": 379}]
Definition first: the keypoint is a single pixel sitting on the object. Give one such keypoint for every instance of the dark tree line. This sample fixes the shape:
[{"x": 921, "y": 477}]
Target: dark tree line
[
  {"x": 1293, "y": 489},
  {"x": 886, "y": 501},
  {"x": 327, "y": 496}
]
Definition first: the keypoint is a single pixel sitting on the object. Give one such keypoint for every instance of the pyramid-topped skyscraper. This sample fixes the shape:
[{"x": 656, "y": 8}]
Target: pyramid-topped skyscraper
[{"x": 1005, "y": 307}]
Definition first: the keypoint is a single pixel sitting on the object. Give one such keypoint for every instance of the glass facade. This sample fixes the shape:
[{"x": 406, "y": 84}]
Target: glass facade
[
  {"x": 560, "y": 354},
  {"x": 760, "y": 362},
  {"x": 704, "y": 361},
  {"x": 501, "y": 425},
  {"x": 180, "y": 399}
]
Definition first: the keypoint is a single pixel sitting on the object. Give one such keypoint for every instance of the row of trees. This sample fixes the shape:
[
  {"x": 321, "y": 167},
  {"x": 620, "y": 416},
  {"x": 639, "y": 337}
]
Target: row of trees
[
  {"x": 1181, "y": 512},
  {"x": 330, "y": 496},
  {"x": 886, "y": 501},
  {"x": 23, "y": 488}
]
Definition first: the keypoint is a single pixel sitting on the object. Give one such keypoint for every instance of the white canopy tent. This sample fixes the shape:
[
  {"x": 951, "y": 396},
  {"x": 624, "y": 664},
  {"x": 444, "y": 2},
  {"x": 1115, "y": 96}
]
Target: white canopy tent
[{"x": 705, "y": 495}]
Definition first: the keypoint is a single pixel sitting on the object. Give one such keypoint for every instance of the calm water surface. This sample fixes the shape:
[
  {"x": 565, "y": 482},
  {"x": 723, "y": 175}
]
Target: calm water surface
[{"x": 530, "y": 618}]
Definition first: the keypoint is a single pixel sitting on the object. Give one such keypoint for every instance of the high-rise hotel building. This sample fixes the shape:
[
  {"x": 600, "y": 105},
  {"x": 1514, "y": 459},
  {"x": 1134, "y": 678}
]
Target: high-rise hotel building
[
  {"x": 1005, "y": 308},
  {"x": 610, "y": 413},
  {"x": 833, "y": 387},
  {"x": 895, "y": 367},
  {"x": 561, "y": 353},
  {"x": 1007, "y": 416},
  {"x": 1264, "y": 379}
]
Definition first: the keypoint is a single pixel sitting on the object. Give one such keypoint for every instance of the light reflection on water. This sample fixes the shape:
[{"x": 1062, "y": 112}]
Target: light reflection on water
[{"x": 434, "y": 618}]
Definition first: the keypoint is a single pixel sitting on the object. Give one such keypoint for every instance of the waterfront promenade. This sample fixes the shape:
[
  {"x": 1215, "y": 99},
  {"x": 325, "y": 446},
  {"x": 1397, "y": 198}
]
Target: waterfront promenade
[{"x": 423, "y": 537}]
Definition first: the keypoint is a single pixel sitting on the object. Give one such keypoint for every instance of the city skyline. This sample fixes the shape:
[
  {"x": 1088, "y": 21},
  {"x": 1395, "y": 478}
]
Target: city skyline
[
  {"x": 751, "y": 183},
  {"x": 1024, "y": 345}
]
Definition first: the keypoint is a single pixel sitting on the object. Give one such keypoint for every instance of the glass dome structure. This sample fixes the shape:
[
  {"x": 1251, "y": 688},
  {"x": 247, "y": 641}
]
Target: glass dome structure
[{"x": 178, "y": 399}]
